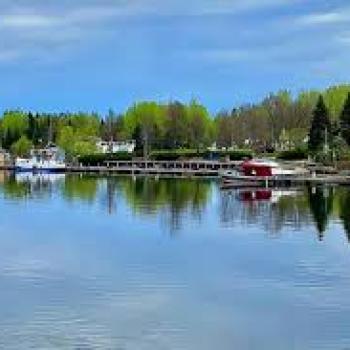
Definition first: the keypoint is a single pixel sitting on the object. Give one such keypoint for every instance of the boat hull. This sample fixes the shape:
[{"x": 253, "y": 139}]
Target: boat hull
[
  {"x": 39, "y": 170},
  {"x": 28, "y": 165}
]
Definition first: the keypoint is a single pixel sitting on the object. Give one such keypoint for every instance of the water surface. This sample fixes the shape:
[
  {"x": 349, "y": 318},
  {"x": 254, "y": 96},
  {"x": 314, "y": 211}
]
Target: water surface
[{"x": 120, "y": 263}]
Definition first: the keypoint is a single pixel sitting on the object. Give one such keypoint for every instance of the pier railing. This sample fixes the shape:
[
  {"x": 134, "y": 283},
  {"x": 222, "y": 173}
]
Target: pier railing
[{"x": 187, "y": 167}]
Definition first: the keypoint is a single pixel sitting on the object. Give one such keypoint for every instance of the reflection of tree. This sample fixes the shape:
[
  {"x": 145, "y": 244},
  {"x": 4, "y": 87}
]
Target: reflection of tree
[
  {"x": 28, "y": 185},
  {"x": 345, "y": 211},
  {"x": 16, "y": 190},
  {"x": 3, "y": 177},
  {"x": 321, "y": 205},
  {"x": 111, "y": 189},
  {"x": 83, "y": 187},
  {"x": 275, "y": 211},
  {"x": 173, "y": 197}
]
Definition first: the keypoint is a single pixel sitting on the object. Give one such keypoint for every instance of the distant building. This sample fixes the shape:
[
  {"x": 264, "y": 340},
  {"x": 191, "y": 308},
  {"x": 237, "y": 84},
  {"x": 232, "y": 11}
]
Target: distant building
[
  {"x": 5, "y": 158},
  {"x": 116, "y": 146}
]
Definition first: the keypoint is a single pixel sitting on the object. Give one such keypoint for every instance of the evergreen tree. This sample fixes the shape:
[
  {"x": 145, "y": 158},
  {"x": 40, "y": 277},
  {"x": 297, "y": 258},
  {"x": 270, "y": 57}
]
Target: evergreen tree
[
  {"x": 32, "y": 131},
  {"x": 320, "y": 126},
  {"x": 345, "y": 121}
]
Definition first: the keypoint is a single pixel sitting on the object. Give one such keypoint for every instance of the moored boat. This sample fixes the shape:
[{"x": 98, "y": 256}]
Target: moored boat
[
  {"x": 260, "y": 172},
  {"x": 49, "y": 159}
]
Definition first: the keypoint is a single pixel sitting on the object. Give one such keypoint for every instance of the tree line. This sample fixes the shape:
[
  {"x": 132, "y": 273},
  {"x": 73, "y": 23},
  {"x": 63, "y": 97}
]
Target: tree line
[{"x": 281, "y": 120}]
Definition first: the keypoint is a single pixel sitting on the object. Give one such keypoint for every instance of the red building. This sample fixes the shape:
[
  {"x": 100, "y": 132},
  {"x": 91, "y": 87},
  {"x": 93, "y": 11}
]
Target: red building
[{"x": 254, "y": 168}]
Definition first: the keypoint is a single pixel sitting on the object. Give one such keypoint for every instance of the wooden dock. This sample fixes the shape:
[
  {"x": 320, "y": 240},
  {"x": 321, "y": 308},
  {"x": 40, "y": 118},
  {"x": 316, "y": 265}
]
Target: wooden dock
[
  {"x": 197, "y": 168},
  {"x": 149, "y": 167}
]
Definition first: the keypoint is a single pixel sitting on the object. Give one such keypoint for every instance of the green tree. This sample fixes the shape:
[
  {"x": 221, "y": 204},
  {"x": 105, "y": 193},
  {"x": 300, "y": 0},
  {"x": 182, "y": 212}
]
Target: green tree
[
  {"x": 22, "y": 147},
  {"x": 14, "y": 125},
  {"x": 320, "y": 127},
  {"x": 278, "y": 108},
  {"x": 148, "y": 119},
  {"x": 200, "y": 125},
  {"x": 334, "y": 98},
  {"x": 175, "y": 125},
  {"x": 66, "y": 140},
  {"x": 75, "y": 142},
  {"x": 345, "y": 121},
  {"x": 224, "y": 129}
]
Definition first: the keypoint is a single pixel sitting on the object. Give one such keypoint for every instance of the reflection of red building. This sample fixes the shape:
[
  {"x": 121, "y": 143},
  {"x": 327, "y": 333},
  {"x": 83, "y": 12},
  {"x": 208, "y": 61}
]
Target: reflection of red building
[{"x": 258, "y": 195}]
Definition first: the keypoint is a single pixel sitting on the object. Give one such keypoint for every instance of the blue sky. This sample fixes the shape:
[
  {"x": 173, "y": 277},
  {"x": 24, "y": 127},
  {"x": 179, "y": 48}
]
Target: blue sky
[{"x": 58, "y": 55}]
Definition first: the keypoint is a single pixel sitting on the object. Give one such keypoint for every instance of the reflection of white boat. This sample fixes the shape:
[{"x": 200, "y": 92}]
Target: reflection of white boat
[
  {"x": 41, "y": 177},
  {"x": 265, "y": 195},
  {"x": 49, "y": 159}
]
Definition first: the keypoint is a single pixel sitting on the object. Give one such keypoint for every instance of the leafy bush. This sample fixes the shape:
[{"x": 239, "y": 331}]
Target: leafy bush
[
  {"x": 170, "y": 155},
  {"x": 100, "y": 159},
  {"x": 295, "y": 154},
  {"x": 205, "y": 154},
  {"x": 175, "y": 154},
  {"x": 22, "y": 147},
  {"x": 233, "y": 155},
  {"x": 239, "y": 155}
]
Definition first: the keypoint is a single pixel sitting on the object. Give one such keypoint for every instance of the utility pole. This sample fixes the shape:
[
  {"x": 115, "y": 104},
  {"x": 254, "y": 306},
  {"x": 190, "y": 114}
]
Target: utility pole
[{"x": 326, "y": 141}]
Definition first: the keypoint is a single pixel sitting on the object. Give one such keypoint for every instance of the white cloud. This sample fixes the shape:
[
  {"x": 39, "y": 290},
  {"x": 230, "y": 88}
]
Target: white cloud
[
  {"x": 67, "y": 25},
  {"x": 27, "y": 21},
  {"x": 343, "y": 38},
  {"x": 325, "y": 18}
]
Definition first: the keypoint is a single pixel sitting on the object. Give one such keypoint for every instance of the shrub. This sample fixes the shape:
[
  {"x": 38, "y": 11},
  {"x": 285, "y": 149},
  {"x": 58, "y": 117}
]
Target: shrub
[
  {"x": 100, "y": 159},
  {"x": 295, "y": 154},
  {"x": 171, "y": 155},
  {"x": 233, "y": 155},
  {"x": 175, "y": 154},
  {"x": 206, "y": 154}
]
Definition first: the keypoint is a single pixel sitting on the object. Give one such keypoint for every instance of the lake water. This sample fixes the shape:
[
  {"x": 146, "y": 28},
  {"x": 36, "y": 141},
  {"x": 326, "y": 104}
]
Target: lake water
[{"x": 122, "y": 263}]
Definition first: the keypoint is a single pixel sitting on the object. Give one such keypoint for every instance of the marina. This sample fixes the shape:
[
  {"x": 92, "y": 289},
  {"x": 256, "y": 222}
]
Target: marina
[
  {"x": 229, "y": 172},
  {"x": 174, "y": 175}
]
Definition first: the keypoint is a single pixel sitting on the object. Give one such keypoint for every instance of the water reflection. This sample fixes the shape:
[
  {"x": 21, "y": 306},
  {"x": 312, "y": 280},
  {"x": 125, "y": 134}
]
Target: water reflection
[
  {"x": 80, "y": 187},
  {"x": 344, "y": 211},
  {"x": 270, "y": 208},
  {"x": 275, "y": 209},
  {"x": 174, "y": 200},
  {"x": 170, "y": 198},
  {"x": 85, "y": 261},
  {"x": 321, "y": 204},
  {"x": 26, "y": 186}
]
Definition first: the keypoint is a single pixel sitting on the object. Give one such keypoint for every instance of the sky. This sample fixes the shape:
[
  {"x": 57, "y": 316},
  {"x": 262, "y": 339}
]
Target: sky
[{"x": 92, "y": 55}]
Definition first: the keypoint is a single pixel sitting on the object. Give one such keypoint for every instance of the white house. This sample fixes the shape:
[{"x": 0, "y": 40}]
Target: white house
[
  {"x": 4, "y": 158},
  {"x": 116, "y": 146}
]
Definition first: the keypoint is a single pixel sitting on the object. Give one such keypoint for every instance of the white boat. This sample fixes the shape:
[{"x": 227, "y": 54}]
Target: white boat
[
  {"x": 49, "y": 159},
  {"x": 33, "y": 164}
]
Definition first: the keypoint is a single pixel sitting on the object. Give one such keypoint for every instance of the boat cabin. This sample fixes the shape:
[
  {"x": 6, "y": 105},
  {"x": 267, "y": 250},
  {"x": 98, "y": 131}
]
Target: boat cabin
[{"x": 50, "y": 152}]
